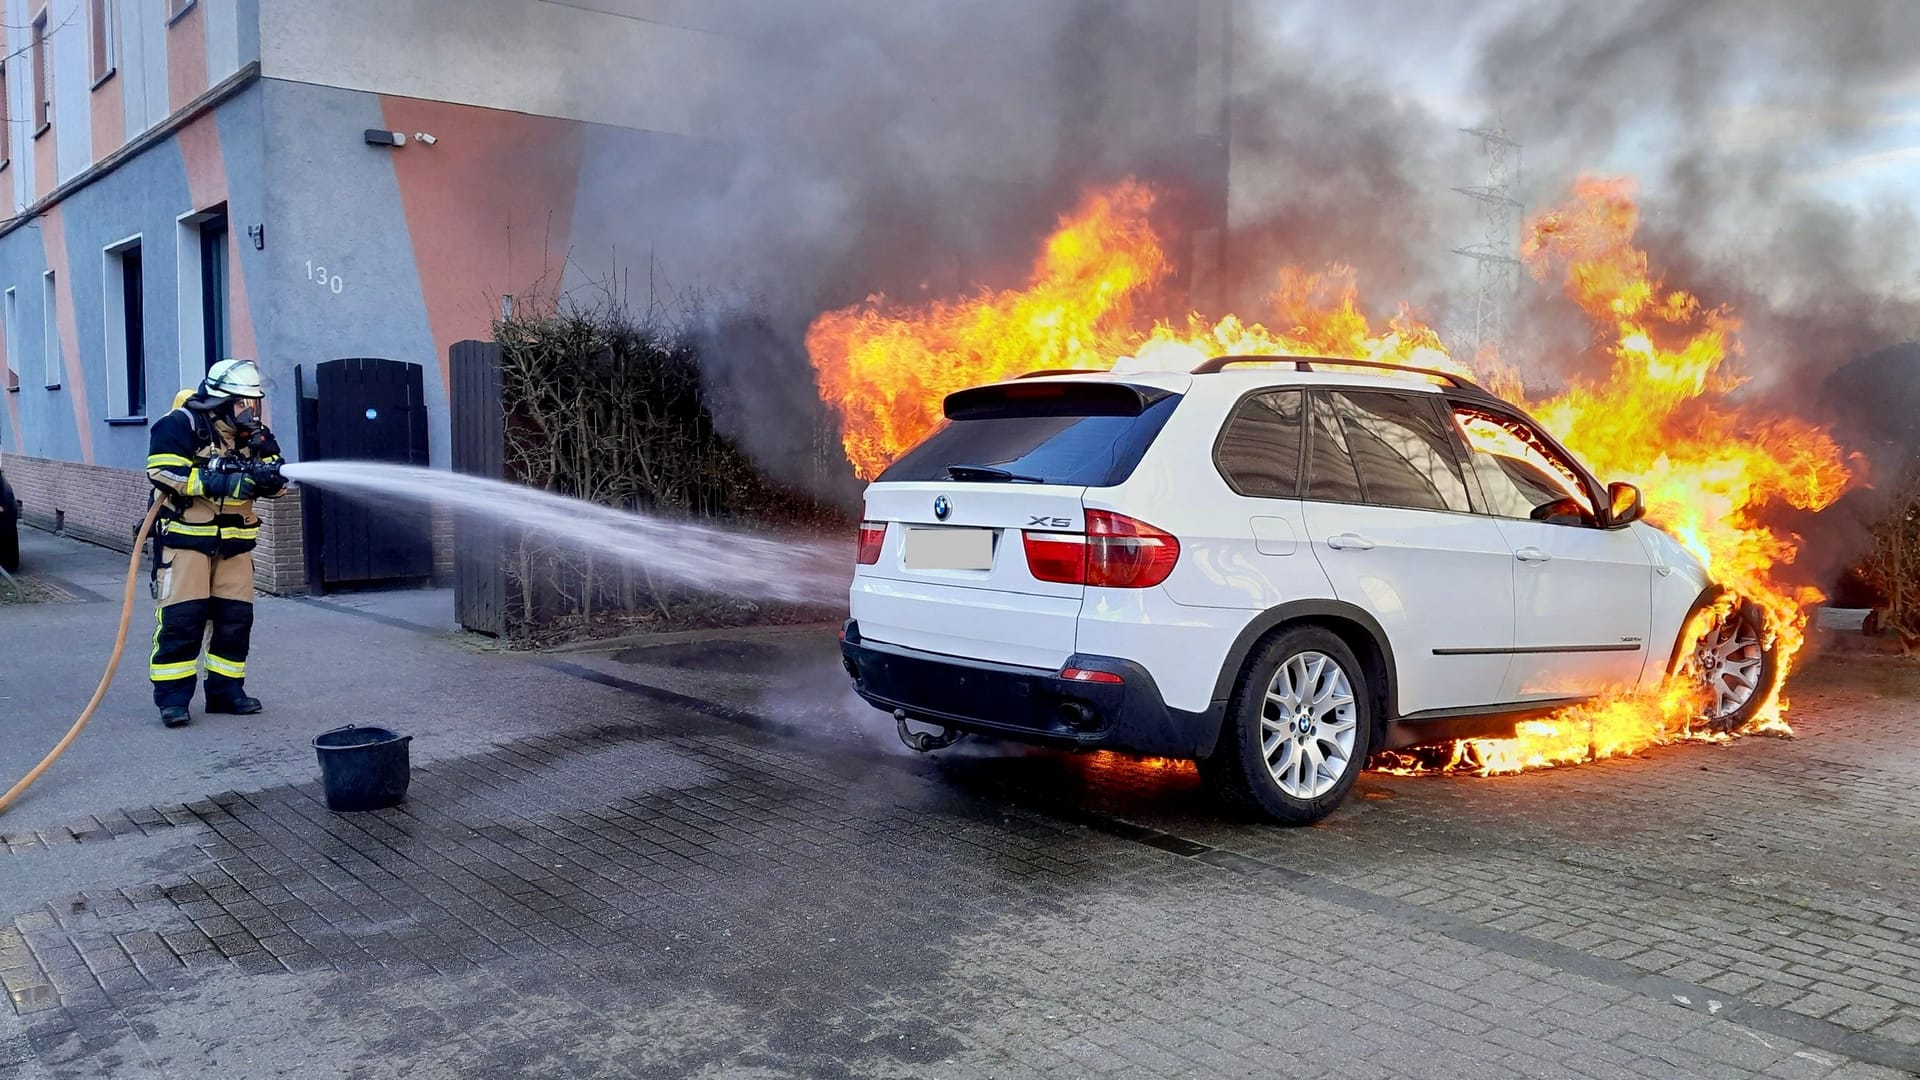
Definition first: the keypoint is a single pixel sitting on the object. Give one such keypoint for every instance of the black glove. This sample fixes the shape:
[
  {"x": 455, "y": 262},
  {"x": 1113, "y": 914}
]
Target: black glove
[
  {"x": 263, "y": 445},
  {"x": 266, "y": 477},
  {"x": 227, "y": 478},
  {"x": 237, "y": 486}
]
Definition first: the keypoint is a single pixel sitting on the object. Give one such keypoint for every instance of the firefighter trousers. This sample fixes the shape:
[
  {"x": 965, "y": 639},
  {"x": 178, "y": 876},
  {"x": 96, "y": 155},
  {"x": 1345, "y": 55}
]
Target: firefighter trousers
[{"x": 198, "y": 591}]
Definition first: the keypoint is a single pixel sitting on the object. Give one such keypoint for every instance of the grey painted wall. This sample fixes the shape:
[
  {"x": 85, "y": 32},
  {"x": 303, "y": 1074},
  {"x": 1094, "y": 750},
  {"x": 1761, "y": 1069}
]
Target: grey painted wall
[
  {"x": 639, "y": 212},
  {"x": 46, "y": 416},
  {"x": 145, "y": 195},
  {"x": 332, "y": 201}
]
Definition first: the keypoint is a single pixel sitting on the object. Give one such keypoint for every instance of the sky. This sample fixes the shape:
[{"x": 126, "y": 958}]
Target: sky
[
  {"x": 1764, "y": 128},
  {"x": 1429, "y": 53}
]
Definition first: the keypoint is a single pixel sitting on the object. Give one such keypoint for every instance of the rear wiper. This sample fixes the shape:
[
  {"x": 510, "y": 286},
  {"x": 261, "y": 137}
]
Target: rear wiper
[{"x": 988, "y": 472}]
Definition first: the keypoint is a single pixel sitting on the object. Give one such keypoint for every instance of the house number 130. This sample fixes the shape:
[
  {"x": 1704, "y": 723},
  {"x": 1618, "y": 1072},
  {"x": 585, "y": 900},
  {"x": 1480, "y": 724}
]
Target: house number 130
[{"x": 318, "y": 275}]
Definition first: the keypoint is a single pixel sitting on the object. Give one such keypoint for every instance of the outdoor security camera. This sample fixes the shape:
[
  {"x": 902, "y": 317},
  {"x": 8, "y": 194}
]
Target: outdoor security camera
[{"x": 425, "y": 138}]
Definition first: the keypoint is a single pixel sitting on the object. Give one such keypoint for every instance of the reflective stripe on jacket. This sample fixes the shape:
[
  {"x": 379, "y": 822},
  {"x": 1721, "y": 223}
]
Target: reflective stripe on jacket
[{"x": 178, "y": 449}]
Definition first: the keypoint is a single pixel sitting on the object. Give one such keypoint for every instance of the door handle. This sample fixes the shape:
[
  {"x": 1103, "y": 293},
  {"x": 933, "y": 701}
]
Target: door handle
[
  {"x": 1532, "y": 554},
  {"x": 1349, "y": 542}
]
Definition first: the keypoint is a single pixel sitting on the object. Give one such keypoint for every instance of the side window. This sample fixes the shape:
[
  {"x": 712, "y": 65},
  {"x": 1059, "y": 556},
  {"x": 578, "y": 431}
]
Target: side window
[
  {"x": 1520, "y": 474},
  {"x": 1405, "y": 456},
  {"x": 1331, "y": 476},
  {"x": 1260, "y": 449}
]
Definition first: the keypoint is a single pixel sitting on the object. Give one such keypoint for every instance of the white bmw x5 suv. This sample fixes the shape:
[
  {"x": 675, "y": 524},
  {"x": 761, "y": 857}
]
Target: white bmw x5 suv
[{"x": 1270, "y": 565}]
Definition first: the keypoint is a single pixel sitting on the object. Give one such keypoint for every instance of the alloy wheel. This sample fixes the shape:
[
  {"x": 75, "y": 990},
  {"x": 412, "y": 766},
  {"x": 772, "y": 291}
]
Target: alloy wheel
[
  {"x": 1307, "y": 725},
  {"x": 1729, "y": 662}
]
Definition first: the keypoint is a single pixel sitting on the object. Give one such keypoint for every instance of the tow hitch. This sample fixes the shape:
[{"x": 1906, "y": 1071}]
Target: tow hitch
[{"x": 925, "y": 741}]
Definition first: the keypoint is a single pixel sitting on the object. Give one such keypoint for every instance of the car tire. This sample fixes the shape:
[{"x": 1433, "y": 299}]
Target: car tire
[
  {"x": 1737, "y": 664},
  {"x": 1300, "y": 705}
]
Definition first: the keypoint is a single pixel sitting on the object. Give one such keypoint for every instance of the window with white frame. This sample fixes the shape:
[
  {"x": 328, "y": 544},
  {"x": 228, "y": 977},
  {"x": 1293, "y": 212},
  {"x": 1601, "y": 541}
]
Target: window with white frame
[
  {"x": 102, "y": 42},
  {"x": 124, "y": 309},
  {"x": 6, "y": 119},
  {"x": 42, "y": 80},
  {"x": 50, "y": 332},
  {"x": 13, "y": 341},
  {"x": 201, "y": 268}
]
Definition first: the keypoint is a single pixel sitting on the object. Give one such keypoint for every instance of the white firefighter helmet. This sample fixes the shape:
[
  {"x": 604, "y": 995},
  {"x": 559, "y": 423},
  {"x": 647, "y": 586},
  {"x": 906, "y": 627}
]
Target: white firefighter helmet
[{"x": 232, "y": 379}]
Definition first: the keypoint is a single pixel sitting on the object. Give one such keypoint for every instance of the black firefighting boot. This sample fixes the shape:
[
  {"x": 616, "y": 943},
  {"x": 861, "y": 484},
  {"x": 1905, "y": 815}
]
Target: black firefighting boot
[
  {"x": 239, "y": 705},
  {"x": 175, "y": 715}
]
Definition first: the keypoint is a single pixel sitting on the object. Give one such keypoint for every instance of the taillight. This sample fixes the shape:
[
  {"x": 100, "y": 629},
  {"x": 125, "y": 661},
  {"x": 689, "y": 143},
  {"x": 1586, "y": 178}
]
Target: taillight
[
  {"x": 872, "y": 535},
  {"x": 1124, "y": 553},
  {"x": 1116, "y": 552},
  {"x": 1057, "y": 557},
  {"x": 1074, "y": 674}
]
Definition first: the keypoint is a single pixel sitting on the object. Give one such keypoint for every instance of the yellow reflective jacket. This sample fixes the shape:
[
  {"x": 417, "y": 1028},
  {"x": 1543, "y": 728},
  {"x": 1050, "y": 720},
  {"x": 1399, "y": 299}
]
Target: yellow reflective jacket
[{"x": 179, "y": 447}]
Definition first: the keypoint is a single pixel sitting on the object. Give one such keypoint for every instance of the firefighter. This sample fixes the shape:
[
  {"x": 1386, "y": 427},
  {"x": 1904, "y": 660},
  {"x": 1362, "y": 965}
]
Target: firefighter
[{"x": 209, "y": 459}]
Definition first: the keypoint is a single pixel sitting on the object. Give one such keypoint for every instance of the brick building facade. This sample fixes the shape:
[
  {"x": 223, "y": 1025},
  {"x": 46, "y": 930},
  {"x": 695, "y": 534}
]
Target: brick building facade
[{"x": 300, "y": 181}]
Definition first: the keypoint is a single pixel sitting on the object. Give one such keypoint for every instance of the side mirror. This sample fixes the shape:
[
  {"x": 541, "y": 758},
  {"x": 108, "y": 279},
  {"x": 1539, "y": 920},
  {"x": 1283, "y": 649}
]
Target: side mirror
[
  {"x": 1624, "y": 504},
  {"x": 1562, "y": 511}
]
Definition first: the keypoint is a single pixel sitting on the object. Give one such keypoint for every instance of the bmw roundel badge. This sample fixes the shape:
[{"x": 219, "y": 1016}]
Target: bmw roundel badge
[{"x": 942, "y": 506}]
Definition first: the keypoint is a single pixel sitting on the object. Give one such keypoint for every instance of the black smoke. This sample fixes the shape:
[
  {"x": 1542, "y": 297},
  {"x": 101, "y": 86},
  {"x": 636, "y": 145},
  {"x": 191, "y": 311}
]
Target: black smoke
[
  {"x": 923, "y": 148},
  {"x": 1738, "y": 116}
]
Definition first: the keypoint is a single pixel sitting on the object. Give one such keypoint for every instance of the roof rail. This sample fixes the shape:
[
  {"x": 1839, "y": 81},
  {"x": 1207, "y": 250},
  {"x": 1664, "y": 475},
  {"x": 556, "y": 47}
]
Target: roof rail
[
  {"x": 1305, "y": 363},
  {"x": 1043, "y": 372}
]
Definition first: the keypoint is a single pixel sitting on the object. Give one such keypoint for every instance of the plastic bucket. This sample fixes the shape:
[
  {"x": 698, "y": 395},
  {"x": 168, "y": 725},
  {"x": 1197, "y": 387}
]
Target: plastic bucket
[{"x": 363, "y": 768}]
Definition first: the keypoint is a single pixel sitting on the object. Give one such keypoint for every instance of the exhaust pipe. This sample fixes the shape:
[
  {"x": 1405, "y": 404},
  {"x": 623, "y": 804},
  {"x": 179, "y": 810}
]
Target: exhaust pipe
[
  {"x": 1076, "y": 715},
  {"x": 925, "y": 741}
]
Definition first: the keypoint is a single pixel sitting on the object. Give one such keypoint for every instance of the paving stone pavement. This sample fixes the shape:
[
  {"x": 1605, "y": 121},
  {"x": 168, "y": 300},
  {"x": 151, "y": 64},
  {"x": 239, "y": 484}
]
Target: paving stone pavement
[{"x": 703, "y": 860}]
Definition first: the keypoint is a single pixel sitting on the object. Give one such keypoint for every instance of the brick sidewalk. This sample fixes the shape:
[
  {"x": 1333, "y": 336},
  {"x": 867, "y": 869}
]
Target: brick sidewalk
[{"x": 721, "y": 870}]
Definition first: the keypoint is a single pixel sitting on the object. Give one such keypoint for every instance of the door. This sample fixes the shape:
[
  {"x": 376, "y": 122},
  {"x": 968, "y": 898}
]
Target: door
[
  {"x": 213, "y": 286},
  {"x": 1245, "y": 547},
  {"x": 364, "y": 409},
  {"x": 1582, "y": 594},
  {"x": 1391, "y": 522}
]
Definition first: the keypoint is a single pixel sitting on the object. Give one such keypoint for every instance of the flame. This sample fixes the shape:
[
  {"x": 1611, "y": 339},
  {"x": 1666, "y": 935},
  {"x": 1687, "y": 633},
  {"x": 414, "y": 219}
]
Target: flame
[
  {"x": 886, "y": 374},
  {"x": 1667, "y": 415},
  {"x": 885, "y": 368}
]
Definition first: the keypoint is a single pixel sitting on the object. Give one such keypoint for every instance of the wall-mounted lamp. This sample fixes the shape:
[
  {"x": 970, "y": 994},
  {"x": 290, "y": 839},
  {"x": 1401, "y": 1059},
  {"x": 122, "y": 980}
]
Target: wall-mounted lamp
[
  {"x": 257, "y": 234},
  {"x": 376, "y": 137}
]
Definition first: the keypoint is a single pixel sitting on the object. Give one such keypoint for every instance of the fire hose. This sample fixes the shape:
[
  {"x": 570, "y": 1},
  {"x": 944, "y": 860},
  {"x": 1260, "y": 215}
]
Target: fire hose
[{"x": 106, "y": 677}]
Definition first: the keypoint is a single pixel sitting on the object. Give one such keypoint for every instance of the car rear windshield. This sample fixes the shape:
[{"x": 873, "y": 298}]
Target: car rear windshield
[{"x": 1084, "y": 435}]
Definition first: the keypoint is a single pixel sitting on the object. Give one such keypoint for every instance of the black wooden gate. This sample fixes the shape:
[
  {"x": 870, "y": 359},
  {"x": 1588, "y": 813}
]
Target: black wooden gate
[
  {"x": 479, "y": 447},
  {"x": 363, "y": 409}
]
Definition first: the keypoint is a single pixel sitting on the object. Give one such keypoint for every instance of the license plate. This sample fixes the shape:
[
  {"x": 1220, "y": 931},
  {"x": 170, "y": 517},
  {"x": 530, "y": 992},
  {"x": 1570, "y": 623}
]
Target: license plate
[{"x": 949, "y": 549}]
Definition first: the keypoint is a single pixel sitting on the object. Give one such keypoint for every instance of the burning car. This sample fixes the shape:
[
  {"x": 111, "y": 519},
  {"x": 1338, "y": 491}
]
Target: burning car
[{"x": 1274, "y": 566}]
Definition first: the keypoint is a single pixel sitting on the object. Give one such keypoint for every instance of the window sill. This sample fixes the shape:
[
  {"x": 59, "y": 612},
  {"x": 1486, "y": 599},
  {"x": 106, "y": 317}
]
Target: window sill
[
  {"x": 53, "y": 386},
  {"x": 182, "y": 13},
  {"x": 102, "y": 80},
  {"x": 126, "y": 421},
  {"x": 44, "y": 128}
]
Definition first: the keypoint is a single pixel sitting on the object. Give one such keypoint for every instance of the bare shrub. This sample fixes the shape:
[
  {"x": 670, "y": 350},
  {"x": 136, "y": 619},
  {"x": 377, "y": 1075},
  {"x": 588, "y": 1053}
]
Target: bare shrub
[
  {"x": 606, "y": 404},
  {"x": 1892, "y": 570}
]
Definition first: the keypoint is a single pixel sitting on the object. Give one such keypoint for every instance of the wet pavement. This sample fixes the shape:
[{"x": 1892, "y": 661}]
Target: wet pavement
[{"x": 703, "y": 857}]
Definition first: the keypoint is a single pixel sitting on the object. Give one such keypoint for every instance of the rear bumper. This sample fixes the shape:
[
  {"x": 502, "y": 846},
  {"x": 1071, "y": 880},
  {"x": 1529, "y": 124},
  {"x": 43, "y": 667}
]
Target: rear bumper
[{"x": 1028, "y": 704}]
